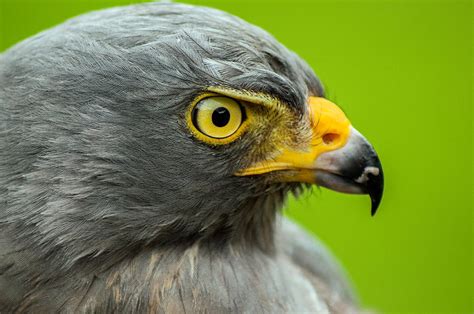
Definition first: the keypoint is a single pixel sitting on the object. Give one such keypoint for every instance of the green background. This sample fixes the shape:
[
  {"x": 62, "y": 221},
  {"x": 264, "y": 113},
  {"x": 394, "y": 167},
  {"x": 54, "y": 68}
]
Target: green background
[{"x": 402, "y": 71}]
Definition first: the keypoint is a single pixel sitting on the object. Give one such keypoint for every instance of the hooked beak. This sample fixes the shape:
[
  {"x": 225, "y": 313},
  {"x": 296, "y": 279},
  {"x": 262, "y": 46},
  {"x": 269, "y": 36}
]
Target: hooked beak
[{"x": 338, "y": 157}]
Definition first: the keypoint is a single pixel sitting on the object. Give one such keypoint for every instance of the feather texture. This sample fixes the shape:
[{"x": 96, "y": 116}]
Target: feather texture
[{"x": 108, "y": 204}]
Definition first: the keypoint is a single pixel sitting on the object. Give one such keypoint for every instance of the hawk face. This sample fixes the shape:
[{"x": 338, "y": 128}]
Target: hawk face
[{"x": 165, "y": 122}]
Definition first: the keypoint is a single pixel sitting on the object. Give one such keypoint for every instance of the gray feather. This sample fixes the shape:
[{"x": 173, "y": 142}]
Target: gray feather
[{"x": 107, "y": 203}]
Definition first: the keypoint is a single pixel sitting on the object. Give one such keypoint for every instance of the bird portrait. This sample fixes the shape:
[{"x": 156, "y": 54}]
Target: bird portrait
[{"x": 146, "y": 152}]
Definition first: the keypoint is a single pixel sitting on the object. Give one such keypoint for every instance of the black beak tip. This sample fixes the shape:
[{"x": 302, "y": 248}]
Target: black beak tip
[
  {"x": 375, "y": 189},
  {"x": 375, "y": 205}
]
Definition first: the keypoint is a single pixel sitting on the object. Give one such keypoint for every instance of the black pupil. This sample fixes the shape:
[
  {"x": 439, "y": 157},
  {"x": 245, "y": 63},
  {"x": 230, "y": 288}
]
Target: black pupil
[{"x": 220, "y": 117}]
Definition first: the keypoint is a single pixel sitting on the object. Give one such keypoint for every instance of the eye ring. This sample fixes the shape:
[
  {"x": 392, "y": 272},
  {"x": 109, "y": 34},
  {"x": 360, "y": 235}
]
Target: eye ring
[{"x": 217, "y": 119}]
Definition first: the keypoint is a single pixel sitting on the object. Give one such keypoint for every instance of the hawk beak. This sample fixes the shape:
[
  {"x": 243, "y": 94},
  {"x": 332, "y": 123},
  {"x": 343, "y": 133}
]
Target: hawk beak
[{"x": 337, "y": 157}]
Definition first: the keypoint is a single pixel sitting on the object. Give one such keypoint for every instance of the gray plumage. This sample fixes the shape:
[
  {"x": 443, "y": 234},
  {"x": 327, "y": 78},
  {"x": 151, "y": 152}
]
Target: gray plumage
[{"x": 107, "y": 203}]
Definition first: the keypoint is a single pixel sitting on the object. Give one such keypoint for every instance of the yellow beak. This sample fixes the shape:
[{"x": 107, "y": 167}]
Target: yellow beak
[
  {"x": 330, "y": 131},
  {"x": 337, "y": 156}
]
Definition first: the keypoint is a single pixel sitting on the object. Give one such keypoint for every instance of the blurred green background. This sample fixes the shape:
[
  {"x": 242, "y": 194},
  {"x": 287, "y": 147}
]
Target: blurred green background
[{"x": 402, "y": 71}]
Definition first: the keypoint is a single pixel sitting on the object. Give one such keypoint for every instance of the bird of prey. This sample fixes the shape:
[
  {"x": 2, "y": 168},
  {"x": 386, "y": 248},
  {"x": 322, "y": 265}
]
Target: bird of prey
[{"x": 145, "y": 154}]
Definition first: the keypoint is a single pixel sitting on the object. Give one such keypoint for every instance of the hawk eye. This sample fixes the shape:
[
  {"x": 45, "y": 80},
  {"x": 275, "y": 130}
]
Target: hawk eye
[{"x": 218, "y": 117}]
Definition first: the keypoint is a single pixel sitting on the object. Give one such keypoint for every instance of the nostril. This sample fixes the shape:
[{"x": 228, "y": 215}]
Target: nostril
[{"x": 330, "y": 138}]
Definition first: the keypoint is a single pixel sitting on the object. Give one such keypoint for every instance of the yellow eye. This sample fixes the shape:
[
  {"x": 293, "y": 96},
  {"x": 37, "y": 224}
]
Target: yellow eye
[{"x": 218, "y": 117}]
